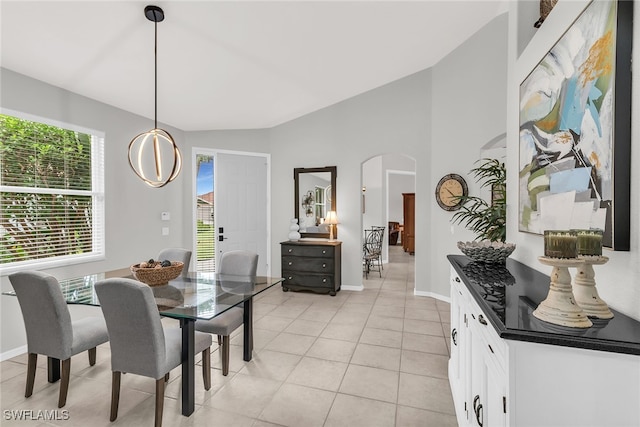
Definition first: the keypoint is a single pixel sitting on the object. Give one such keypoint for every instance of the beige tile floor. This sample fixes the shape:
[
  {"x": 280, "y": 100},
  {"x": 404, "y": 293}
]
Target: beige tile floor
[{"x": 371, "y": 358}]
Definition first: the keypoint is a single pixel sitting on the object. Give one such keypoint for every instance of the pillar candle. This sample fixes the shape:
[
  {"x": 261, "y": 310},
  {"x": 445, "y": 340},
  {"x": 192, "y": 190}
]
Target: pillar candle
[
  {"x": 589, "y": 242},
  {"x": 560, "y": 244}
]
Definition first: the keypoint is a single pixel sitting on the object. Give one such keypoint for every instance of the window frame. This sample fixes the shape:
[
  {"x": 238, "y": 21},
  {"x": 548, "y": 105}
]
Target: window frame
[{"x": 96, "y": 193}]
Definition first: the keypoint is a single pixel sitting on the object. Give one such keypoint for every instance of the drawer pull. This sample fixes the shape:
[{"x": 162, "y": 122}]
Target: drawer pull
[
  {"x": 324, "y": 252},
  {"x": 289, "y": 278},
  {"x": 454, "y": 336},
  {"x": 290, "y": 262},
  {"x": 290, "y": 250},
  {"x": 482, "y": 320},
  {"x": 490, "y": 348},
  {"x": 324, "y": 265},
  {"x": 457, "y": 279},
  {"x": 324, "y": 280}
]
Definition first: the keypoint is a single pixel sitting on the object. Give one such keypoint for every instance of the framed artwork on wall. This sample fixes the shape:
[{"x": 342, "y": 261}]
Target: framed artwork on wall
[{"x": 575, "y": 129}]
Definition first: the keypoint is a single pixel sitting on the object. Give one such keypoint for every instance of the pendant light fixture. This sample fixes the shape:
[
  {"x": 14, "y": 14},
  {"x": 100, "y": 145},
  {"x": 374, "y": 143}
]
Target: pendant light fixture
[{"x": 153, "y": 150}]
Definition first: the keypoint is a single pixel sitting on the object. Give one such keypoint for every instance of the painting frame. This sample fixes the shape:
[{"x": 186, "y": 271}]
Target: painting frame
[{"x": 575, "y": 128}]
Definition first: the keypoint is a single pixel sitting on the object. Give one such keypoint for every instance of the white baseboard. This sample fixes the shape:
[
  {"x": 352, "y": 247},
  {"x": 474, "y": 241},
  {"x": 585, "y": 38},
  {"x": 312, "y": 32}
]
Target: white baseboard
[
  {"x": 432, "y": 295},
  {"x": 13, "y": 353}
]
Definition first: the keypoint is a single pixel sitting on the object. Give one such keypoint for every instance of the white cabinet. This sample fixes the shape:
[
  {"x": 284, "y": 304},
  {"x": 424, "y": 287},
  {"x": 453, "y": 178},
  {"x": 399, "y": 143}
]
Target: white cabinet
[
  {"x": 476, "y": 372},
  {"x": 519, "y": 383}
]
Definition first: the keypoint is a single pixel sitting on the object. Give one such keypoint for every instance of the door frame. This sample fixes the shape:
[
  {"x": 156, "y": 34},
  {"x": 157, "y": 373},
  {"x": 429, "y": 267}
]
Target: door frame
[
  {"x": 389, "y": 172},
  {"x": 214, "y": 152}
]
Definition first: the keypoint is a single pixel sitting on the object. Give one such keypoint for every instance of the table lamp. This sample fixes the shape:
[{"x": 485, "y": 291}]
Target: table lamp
[{"x": 332, "y": 220}]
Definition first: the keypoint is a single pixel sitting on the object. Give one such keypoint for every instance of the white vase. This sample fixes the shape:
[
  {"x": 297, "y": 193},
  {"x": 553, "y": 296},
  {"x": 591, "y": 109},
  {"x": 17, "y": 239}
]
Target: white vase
[{"x": 294, "y": 235}]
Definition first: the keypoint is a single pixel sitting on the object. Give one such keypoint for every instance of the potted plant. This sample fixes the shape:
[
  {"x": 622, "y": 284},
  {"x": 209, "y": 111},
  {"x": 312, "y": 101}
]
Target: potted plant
[{"x": 487, "y": 220}]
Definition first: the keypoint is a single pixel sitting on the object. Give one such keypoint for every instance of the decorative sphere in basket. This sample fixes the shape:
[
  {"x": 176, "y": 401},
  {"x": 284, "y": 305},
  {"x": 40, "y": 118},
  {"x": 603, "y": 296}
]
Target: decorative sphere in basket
[
  {"x": 487, "y": 251},
  {"x": 152, "y": 275}
]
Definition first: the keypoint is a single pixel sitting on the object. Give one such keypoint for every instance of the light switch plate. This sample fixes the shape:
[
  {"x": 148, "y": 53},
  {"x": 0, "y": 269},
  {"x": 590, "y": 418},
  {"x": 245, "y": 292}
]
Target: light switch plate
[
  {"x": 166, "y": 216},
  {"x": 165, "y": 231}
]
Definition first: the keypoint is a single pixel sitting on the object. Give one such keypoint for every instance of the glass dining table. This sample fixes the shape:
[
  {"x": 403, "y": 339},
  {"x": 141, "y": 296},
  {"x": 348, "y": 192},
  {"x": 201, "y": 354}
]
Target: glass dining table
[{"x": 187, "y": 299}]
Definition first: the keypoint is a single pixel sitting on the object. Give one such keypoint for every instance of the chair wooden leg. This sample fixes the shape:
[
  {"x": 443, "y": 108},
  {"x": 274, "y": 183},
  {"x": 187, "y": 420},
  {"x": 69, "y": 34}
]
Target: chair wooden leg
[
  {"x": 166, "y": 377},
  {"x": 225, "y": 355},
  {"x": 206, "y": 368},
  {"x": 115, "y": 394},
  {"x": 31, "y": 374},
  {"x": 159, "y": 402},
  {"x": 92, "y": 356},
  {"x": 64, "y": 382}
]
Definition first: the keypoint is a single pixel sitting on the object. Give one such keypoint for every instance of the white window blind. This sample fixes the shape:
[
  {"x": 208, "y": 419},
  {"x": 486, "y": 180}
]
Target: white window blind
[{"x": 51, "y": 193}]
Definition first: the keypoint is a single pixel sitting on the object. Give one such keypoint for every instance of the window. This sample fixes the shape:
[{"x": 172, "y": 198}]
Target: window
[{"x": 51, "y": 193}]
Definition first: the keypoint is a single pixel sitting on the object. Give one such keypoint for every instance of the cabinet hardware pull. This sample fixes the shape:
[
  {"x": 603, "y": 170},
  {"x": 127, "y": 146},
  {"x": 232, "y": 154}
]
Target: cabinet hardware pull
[
  {"x": 290, "y": 262},
  {"x": 454, "y": 336},
  {"x": 490, "y": 348},
  {"x": 324, "y": 280},
  {"x": 479, "y": 415},
  {"x": 482, "y": 320},
  {"x": 324, "y": 265},
  {"x": 504, "y": 404},
  {"x": 290, "y": 250},
  {"x": 477, "y": 407},
  {"x": 457, "y": 279},
  {"x": 289, "y": 278},
  {"x": 324, "y": 252}
]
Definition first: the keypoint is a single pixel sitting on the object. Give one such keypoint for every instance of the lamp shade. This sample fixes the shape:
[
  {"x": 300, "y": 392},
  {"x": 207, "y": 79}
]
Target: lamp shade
[{"x": 331, "y": 218}]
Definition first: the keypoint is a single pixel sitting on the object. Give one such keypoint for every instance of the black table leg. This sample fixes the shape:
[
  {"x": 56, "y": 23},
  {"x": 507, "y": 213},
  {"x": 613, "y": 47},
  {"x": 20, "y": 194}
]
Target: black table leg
[
  {"x": 247, "y": 318},
  {"x": 188, "y": 366},
  {"x": 53, "y": 369}
]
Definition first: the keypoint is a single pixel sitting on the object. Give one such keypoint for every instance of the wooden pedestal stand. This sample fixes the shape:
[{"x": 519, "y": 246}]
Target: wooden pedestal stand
[
  {"x": 584, "y": 288},
  {"x": 560, "y": 307}
]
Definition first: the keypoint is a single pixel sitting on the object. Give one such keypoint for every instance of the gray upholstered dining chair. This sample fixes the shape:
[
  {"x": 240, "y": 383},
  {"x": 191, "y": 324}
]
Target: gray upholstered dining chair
[
  {"x": 139, "y": 343},
  {"x": 176, "y": 254},
  {"x": 50, "y": 330},
  {"x": 237, "y": 263}
]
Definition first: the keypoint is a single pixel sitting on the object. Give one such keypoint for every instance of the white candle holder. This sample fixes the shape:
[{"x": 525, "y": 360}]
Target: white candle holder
[
  {"x": 560, "y": 307},
  {"x": 584, "y": 288}
]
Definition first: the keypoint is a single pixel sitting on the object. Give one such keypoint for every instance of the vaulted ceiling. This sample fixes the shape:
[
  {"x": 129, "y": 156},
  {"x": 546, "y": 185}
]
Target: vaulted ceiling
[{"x": 232, "y": 64}]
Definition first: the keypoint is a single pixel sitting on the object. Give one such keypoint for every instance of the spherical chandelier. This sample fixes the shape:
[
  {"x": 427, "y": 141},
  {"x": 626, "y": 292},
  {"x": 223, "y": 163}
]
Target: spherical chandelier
[{"x": 155, "y": 151}]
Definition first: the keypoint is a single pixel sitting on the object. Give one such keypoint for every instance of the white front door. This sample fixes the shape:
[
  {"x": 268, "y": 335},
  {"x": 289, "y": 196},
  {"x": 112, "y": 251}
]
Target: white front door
[{"x": 241, "y": 205}]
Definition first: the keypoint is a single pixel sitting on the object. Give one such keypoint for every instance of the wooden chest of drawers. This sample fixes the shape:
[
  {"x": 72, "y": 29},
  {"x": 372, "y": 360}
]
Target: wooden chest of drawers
[{"x": 312, "y": 266}]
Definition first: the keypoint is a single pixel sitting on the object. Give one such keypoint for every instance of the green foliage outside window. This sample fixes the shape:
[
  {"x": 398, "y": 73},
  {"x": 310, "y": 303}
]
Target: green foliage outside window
[{"x": 45, "y": 191}]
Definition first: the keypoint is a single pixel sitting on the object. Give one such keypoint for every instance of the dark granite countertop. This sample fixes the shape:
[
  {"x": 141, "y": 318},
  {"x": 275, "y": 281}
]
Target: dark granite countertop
[{"x": 508, "y": 294}]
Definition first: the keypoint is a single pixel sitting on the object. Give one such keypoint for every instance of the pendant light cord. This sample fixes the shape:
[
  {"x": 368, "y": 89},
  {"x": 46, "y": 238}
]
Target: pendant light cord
[{"x": 155, "y": 90}]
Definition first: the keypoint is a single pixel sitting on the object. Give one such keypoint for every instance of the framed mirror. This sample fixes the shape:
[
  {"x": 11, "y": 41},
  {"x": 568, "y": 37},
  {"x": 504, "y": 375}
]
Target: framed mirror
[{"x": 315, "y": 196}]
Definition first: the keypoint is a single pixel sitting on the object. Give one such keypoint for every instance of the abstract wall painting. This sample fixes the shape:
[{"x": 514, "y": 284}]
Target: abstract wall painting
[{"x": 575, "y": 129}]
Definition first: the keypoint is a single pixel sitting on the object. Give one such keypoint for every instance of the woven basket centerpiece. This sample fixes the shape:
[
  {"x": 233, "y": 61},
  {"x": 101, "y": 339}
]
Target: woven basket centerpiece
[
  {"x": 156, "y": 276},
  {"x": 486, "y": 251}
]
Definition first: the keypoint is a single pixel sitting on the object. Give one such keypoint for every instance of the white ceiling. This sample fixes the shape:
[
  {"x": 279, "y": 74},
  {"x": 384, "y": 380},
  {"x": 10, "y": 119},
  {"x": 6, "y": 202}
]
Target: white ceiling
[{"x": 232, "y": 64}]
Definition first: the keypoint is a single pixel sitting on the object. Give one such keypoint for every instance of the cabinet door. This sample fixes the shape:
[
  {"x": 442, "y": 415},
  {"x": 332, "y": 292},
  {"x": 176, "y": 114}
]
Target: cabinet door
[
  {"x": 459, "y": 348},
  {"x": 488, "y": 385}
]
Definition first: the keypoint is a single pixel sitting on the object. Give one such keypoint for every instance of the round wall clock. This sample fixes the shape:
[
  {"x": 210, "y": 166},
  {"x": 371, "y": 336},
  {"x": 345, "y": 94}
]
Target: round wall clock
[{"x": 449, "y": 188}]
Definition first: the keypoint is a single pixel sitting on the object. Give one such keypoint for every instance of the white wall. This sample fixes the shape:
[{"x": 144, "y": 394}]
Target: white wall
[
  {"x": 617, "y": 281},
  {"x": 373, "y": 200},
  {"x": 469, "y": 110}
]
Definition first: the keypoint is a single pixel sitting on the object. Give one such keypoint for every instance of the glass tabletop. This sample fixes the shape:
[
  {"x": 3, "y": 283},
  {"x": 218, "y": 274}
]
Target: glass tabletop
[{"x": 197, "y": 296}]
